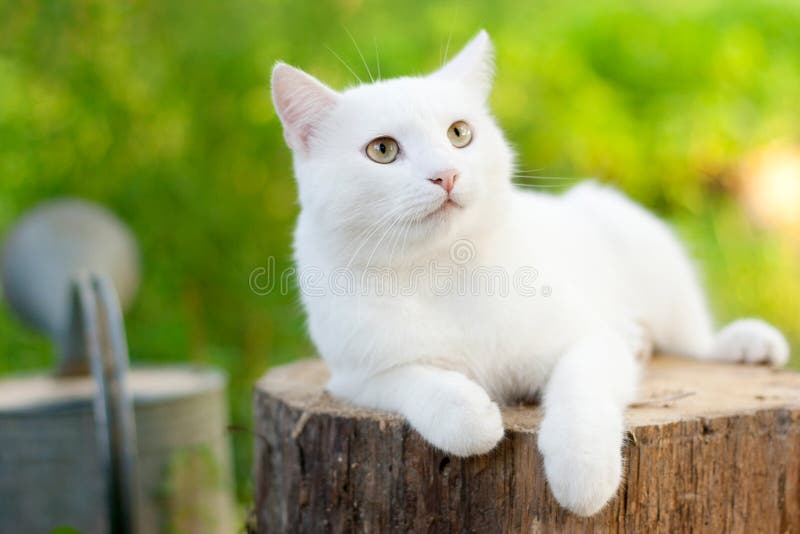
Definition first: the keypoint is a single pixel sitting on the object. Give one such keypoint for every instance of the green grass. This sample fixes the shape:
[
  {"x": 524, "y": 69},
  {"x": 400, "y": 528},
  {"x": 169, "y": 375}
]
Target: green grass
[{"x": 160, "y": 110}]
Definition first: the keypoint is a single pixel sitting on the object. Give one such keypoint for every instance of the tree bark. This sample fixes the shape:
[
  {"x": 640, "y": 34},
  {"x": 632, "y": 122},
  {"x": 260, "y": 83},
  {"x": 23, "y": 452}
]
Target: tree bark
[{"x": 710, "y": 448}]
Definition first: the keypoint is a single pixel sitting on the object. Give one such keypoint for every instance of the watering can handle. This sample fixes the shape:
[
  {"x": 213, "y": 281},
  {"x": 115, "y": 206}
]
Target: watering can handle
[{"x": 96, "y": 326}]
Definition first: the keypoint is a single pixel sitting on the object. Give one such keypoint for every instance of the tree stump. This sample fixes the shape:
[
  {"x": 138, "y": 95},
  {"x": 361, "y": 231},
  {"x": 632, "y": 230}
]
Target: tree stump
[{"x": 710, "y": 448}]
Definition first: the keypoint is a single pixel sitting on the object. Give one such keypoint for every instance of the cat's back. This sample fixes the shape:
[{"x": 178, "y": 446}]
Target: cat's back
[
  {"x": 602, "y": 242},
  {"x": 627, "y": 228},
  {"x": 648, "y": 263}
]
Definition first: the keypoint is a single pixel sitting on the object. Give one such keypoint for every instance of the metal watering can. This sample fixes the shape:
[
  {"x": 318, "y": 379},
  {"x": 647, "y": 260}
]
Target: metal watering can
[{"x": 69, "y": 267}]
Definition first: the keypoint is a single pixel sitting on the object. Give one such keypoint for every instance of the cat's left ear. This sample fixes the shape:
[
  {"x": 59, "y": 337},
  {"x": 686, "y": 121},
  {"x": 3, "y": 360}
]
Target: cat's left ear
[
  {"x": 302, "y": 102},
  {"x": 473, "y": 65}
]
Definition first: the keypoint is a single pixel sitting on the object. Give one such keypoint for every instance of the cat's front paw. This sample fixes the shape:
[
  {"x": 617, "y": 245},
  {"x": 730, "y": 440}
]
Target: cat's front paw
[
  {"x": 466, "y": 422},
  {"x": 583, "y": 469},
  {"x": 751, "y": 341}
]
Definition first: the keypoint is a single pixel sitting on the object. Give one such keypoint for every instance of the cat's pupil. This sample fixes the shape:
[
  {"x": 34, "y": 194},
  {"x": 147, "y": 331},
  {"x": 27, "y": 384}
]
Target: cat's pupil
[
  {"x": 457, "y": 132},
  {"x": 382, "y": 148}
]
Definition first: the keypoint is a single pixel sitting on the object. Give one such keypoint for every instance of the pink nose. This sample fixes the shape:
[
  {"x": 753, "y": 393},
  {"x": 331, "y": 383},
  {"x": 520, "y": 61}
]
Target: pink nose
[{"x": 445, "y": 179}]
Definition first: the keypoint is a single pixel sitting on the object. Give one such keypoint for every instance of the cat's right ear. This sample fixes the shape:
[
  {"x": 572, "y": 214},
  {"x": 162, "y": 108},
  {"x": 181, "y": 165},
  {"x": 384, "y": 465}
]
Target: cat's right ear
[
  {"x": 301, "y": 102},
  {"x": 473, "y": 65}
]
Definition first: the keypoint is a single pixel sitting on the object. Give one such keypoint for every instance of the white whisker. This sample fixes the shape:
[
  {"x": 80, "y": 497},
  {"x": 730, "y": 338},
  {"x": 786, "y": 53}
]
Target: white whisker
[
  {"x": 378, "y": 244},
  {"x": 344, "y": 63},
  {"x": 377, "y": 56},
  {"x": 549, "y": 178},
  {"x": 541, "y": 188},
  {"x": 396, "y": 240},
  {"x": 367, "y": 234},
  {"x": 358, "y": 49},
  {"x": 375, "y": 228},
  {"x": 447, "y": 46},
  {"x": 405, "y": 236}
]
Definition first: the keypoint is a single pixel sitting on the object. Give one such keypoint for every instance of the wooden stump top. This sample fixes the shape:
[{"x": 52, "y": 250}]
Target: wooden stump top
[
  {"x": 711, "y": 448},
  {"x": 673, "y": 389}
]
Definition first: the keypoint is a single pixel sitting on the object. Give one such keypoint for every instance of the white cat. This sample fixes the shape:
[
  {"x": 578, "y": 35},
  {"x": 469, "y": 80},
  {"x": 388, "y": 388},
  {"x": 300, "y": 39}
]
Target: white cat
[{"x": 409, "y": 226}]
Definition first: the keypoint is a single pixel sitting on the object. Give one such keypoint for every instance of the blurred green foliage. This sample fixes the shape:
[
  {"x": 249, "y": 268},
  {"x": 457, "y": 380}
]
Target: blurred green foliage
[{"x": 160, "y": 110}]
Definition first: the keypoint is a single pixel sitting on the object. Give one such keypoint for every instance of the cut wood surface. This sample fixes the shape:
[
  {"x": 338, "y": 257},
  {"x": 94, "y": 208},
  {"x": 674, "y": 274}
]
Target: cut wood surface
[{"x": 710, "y": 448}]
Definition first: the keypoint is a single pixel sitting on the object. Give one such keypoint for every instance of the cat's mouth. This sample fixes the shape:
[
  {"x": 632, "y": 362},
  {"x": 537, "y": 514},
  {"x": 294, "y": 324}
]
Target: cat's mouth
[{"x": 446, "y": 207}]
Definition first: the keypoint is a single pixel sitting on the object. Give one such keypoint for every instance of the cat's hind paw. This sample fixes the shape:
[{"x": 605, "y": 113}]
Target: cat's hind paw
[{"x": 751, "y": 341}]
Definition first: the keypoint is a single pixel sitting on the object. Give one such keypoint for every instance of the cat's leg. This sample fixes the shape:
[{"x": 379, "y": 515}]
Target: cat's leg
[
  {"x": 581, "y": 434},
  {"x": 449, "y": 410},
  {"x": 687, "y": 330},
  {"x": 750, "y": 341}
]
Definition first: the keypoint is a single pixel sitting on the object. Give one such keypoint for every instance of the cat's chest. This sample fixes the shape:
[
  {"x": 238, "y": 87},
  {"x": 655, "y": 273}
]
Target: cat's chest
[
  {"x": 508, "y": 346},
  {"x": 499, "y": 323}
]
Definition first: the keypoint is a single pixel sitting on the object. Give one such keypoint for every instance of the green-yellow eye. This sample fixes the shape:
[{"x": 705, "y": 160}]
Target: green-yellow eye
[
  {"x": 460, "y": 134},
  {"x": 383, "y": 150}
]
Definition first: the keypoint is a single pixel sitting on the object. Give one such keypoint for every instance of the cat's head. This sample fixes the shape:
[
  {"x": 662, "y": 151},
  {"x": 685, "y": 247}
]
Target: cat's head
[{"x": 417, "y": 159}]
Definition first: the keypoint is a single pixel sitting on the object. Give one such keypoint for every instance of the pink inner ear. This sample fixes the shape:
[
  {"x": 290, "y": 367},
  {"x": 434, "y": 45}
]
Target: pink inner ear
[{"x": 301, "y": 102}]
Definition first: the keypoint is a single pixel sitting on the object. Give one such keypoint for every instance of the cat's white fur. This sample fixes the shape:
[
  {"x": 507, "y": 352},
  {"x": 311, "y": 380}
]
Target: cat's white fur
[{"x": 611, "y": 278}]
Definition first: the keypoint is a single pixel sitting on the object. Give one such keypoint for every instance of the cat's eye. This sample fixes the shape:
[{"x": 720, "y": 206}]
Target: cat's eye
[
  {"x": 383, "y": 150},
  {"x": 460, "y": 134}
]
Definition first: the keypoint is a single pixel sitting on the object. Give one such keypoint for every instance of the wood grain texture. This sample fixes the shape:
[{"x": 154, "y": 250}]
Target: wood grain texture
[{"x": 710, "y": 448}]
